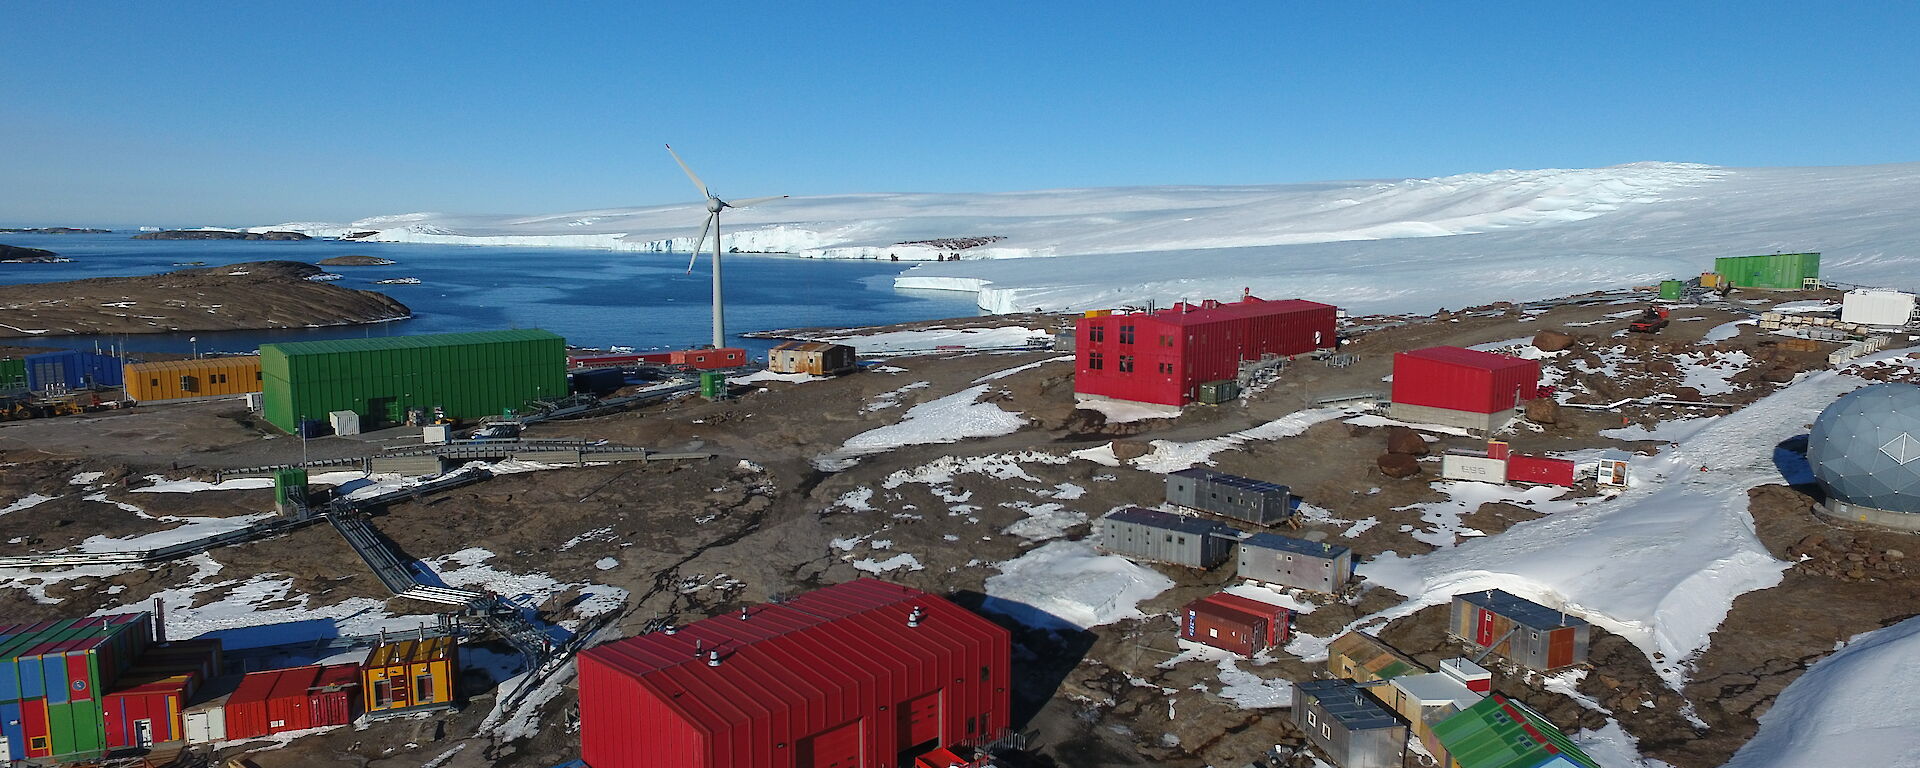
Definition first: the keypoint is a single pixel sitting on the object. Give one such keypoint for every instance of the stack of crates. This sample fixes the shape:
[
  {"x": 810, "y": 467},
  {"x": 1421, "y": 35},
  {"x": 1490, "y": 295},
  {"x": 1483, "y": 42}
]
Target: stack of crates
[{"x": 53, "y": 676}]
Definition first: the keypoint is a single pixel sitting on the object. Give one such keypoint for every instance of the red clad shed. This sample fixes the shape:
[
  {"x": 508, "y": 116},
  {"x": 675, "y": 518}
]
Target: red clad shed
[
  {"x": 856, "y": 674},
  {"x": 709, "y": 358},
  {"x": 1163, "y": 357},
  {"x": 1234, "y": 623},
  {"x": 145, "y": 710},
  {"x": 246, "y": 709},
  {"x": 1458, "y": 379}
]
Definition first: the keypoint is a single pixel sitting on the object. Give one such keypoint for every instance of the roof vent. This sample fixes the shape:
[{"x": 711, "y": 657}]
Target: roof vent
[
  {"x": 713, "y": 658},
  {"x": 743, "y": 613},
  {"x": 670, "y": 629},
  {"x": 913, "y": 619},
  {"x": 699, "y": 646}
]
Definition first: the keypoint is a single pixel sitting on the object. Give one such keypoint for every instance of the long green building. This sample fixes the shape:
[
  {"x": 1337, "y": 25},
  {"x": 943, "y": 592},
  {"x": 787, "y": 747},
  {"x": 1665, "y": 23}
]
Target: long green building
[
  {"x": 1773, "y": 272},
  {"x": 466, "y": 375}
]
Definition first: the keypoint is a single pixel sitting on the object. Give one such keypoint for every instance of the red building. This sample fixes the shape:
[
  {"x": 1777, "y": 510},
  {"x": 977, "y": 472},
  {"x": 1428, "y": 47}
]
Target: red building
[
  {"x": 1163, "y": 357},
  {"x": 293, "y": 699},
  {"x": 1461, "y": 387},
  {"x": 857, "y": 674},
  {"x": 1234, "y": 623},
  {"x": 708, "y": 358}
]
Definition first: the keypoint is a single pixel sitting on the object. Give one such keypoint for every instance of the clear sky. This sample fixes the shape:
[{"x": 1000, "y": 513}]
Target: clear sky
[{"x": 186, "y": 113}]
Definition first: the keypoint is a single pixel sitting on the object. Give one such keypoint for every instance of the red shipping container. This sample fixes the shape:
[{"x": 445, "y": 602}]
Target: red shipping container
[
  {"x": 33, "y": 723},
  {"x": 287, "y": 703},
  {"x": 153, "y": 696},
  {"x": 1460, "y": 379},
  {"x": 330, "y": 700},
  {"x": 246, "y": 709},
  {"x": 1536, "y": 469},
  {"x": 1234, "y": 623}
]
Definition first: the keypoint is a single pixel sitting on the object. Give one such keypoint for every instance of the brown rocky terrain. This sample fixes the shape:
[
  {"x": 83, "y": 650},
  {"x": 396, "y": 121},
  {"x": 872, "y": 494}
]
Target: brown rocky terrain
[
  {"x": 698, "y": 539},
  {"x": 250, "y": 295}
]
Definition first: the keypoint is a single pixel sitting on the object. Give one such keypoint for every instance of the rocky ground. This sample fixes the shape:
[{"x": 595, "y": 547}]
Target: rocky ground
[
  {"x": 682, "y": 541},
  {"x": 251, "y": 295}
]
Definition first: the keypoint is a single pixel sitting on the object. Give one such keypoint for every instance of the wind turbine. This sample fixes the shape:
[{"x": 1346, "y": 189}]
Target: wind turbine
[{"x": 714, "y": 206}]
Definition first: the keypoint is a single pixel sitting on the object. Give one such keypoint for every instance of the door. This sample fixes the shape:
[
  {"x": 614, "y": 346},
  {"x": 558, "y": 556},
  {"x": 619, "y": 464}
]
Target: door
[
  {"x": 920, "y": 723},
  {"x": 1483, "y": 634},
  {"x": 143, "y": 733},
  {"x": 832, "y": 748},
  {"x": 1559, "y": 648},
  {"x": 384, "y": 412}
]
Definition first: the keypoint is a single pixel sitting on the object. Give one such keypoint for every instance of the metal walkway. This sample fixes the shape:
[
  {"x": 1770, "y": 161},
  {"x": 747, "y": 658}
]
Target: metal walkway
[{"x": 494, "y": 449}]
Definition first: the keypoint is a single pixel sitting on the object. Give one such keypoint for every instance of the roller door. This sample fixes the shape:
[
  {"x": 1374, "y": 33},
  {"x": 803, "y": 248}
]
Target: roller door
[
  {"x": 832, "y": 748},
  {"x": 920, "y": 721}
]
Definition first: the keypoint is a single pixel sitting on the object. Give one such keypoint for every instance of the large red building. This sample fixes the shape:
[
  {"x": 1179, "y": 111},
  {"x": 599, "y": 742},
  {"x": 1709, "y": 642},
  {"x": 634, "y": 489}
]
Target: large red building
[
  {"x": 1461, "y": 387},
  {"x": 1163, "y": 357},
  {"x": 853, "y": 675}
]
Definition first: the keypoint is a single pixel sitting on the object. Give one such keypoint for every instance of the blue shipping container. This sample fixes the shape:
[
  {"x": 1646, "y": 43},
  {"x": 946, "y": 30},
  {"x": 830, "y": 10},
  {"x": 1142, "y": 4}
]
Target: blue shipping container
[
  {"x": 54, "y": 667},
  {"x": 9, "y": 682},
  {"x": 15, "y": 732},
  {"x": 29, "y": 670},
  {"x": 72, "y": 369}
]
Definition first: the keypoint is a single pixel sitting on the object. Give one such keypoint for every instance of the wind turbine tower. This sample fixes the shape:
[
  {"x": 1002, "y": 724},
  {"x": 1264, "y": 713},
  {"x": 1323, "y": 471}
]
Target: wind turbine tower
[{"x": 714, "y": 206}]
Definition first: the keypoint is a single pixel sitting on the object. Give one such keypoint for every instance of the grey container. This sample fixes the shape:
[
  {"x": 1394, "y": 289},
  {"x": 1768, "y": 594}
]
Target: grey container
[
  {"x": 1164, "y": 537},
  {"x": 1351, "y": 728},
  {"x": 1524, "y": 632},
  {"x": 1310, "y": 565},
  {"x": 1246, "y": 499}
]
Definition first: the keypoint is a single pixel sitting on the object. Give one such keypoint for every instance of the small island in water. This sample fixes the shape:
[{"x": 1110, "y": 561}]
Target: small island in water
[
  {"x": 14, "y": 254},
  {"x": 356, "y": 260},
  {"x": 218, "y": 234},
  {"x": 247, "y": 296}
]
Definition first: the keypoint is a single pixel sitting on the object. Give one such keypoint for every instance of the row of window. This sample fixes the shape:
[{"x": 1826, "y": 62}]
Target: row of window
[
  {"x": 1098, "y": 334},
  {"x": 1097, "y": 361}
]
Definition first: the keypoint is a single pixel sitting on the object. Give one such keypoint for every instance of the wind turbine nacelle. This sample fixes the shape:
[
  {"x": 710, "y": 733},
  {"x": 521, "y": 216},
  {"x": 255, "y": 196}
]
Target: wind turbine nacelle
[{"x": 714, "y": 204}]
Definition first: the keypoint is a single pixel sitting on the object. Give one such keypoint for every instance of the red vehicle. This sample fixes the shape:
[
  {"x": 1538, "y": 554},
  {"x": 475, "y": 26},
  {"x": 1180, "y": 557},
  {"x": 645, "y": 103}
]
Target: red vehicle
[{"x": 1650, "y": 321}]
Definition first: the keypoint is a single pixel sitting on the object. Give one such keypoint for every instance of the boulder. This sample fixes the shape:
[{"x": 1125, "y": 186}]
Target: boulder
[
  {"x": 1688, "y": 394},
  {"x": 1405, "y": 442},
  {"x": 1552, "y": 341},
  {"x": 1398, "y": 465},
  {"x": 1779, "y": 374},
  {"x": 1543, "y": 410},
  {"x": 1128, "y": 450}
]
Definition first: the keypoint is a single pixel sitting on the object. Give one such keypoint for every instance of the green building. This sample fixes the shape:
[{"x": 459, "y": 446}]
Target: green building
[
  {"x": 464, "y": 375},
  {"x": 1499, "y": 732},
  {"x": 1775, "y": 272}
]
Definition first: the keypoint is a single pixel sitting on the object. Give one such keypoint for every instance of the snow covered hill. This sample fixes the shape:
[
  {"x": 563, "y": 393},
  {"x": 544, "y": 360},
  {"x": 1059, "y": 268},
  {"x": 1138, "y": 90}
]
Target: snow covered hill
[{"x": 1408, "y": 245}]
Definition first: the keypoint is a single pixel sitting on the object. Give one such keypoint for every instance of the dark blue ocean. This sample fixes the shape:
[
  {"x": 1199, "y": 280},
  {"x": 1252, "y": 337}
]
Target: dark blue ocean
[{"x": 594, "y": 298}]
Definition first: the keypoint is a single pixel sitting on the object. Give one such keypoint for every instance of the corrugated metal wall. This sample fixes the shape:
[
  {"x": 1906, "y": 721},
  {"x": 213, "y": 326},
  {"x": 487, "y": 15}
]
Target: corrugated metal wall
[
  {"x": 1294, "y": 569},
  {"x": 470, "y": 375},
  {"x": 1439, "y": 384},
  {"x": 1208, "y": 495},
  {"x": 177, "y": 379},
  {"x": 1777, "y": 272},
  {"x": 1147, "y": 542}
]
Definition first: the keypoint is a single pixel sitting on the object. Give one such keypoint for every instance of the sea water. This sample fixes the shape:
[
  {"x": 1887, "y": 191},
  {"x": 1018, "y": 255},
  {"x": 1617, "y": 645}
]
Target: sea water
[{"x": 595, "y": 298}]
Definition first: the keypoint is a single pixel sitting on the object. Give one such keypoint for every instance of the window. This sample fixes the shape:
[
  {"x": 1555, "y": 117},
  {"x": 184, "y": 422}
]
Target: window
[
  {"x": 37, "y": 743},
  {"x": 972, "y": 723},
  {"x": 1183, "y": 540},
  {"x": 1169, "y": 538},
  {"x": 1211, "y": 632},
  {"x": 1326, "y": 731},
  {"x": 382, "y": 693},
  {"x": 153, "y": 383},
  {"x": 1126, "y": 334},
  {"x": 985, "y": 672},
  {"x": 1096, "y": 361},
  {"x": 1166, "y": 367},
  {"x": 1165, "y": 340},
  {"x": 256, "y": 375},
  {"x": 1126, "y": 363},
  {"x": 1097, "y": 333},
  {"x": 1313, "y": 720},
  {"x": 423, "y": 688}
]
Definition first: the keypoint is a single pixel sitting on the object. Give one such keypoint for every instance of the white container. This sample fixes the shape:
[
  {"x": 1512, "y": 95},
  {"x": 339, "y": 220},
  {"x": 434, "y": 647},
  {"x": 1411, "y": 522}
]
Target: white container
[
  {"x": 205, "y": 725},
  {"x": 344, "y": 422},
  {"x": 1867, "y": 306},
  {"x": 1454, "y": 466},
  {"x": 255, "y": 401},
  {"x": 436, "y": 434}
]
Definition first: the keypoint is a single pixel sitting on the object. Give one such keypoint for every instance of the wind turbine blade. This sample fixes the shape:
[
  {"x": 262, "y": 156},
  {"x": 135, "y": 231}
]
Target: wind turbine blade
[
  {"x": 700, "y": 242},
  {"x": 752, "y": 201},
  {"x": 697, "y": 183}
]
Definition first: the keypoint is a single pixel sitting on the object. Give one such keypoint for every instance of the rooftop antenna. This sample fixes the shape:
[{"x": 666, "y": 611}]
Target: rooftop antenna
[{"x": 714, "y": 206}]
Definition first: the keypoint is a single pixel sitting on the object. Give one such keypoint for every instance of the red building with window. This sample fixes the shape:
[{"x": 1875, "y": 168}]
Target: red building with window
[
  {"x": 864, "y": 673},
  {"x": 1163, "y": 357}
]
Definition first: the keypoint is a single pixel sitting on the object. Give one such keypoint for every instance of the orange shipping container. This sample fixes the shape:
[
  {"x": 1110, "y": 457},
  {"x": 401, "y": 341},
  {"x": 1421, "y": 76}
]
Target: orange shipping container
[
  {"x": 409, "y": 674},
  {"x": 205, "y": 377}
]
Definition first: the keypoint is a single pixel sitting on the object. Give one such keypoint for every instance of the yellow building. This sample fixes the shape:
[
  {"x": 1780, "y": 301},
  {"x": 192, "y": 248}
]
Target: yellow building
[
  {"x": 1363, "y": 658},
  {"x": 410, "y": 674},
  {"x": 205, "y": 377}
]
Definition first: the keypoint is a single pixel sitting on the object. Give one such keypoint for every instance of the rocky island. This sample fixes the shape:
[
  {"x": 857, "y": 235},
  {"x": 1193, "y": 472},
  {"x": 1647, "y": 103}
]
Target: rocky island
[
  {"x": 355, "y": 260},
  {"x": 246, "y": 296},
  {"x": 52, "y": 231},
  {"x": 14, "y": 254},
  {"x": 218, "y": 234}
]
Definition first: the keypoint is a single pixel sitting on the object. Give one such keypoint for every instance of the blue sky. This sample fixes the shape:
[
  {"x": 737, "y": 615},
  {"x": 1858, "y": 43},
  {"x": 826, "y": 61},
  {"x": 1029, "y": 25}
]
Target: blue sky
[{"x": 248, "y": 113}]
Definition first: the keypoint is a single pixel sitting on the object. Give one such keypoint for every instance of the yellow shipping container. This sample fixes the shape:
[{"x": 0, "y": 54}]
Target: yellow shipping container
[
  {"x": 207, "y": 376},
  {"x": 1709, "y": 279},
  {"x": 411, "y": 673},
  {"x": 1098, "y": 312}
]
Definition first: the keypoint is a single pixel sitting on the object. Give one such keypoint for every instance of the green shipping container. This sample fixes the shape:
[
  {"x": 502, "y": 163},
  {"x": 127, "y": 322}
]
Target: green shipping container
[
  {"x": 469, "y": 375},
  {"x": 1773, "y": 272},
  {"x": 75, "y": 729},
  {"x": 713, "y": 385},
  {"x": 289, "y": 486},
  {"x": 1217, "y": 392},
  {"x": 1672, "y": 289},
  {"x": 13, "y": 373}
]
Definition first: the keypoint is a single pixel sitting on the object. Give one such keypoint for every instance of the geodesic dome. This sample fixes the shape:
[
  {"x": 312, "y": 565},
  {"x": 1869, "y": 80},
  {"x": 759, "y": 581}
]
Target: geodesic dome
[{"x": 1865, "y": 448}]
